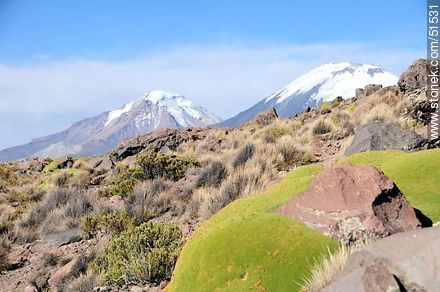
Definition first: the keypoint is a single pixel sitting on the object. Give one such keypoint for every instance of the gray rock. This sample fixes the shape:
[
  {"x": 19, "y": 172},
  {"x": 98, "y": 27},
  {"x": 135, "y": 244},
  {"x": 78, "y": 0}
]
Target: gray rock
[
  {"x": 381, "y": 136},
  {"x": 371, "y": 88},
  {"x": 62, "y": 238},
  {"x": 359, "y": 92},
  {"x": 412, "y": 259}
]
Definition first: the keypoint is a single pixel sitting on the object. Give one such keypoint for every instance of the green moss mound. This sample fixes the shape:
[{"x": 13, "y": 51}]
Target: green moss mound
[
  {"x": 417, "y": 175},
  {"x": 247, "y": 247}
]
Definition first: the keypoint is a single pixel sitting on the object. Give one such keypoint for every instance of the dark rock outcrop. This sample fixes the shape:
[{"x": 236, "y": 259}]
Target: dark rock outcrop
[
  {"x": 349, "y": 202},
  {"x": 266, "y": 117},
  {"x": 415, "y": 77},
  {"x": 402, "y": 262},
  {"x": 381, "y": 136},
  {"x": 155, "y": 141}
]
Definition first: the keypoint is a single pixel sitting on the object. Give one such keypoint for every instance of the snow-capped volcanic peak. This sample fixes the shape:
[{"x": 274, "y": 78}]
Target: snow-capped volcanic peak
[
  {"x": 156, "y": 106},
  {"x": 335, "y": 79}
]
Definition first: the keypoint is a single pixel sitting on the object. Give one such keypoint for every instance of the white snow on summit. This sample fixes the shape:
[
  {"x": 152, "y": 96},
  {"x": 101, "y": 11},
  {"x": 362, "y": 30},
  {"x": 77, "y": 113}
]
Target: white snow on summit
[
  {"x": 335, "y": 79},
  {"x": 113, "y": 115},
  {"x": 149, "y": 108}
]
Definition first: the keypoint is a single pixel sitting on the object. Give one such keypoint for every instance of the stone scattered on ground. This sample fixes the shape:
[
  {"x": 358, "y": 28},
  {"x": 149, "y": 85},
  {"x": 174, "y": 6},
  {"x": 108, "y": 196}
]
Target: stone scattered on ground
[
  {"x": 382, "y": 136},
  {"x": 402, "y": 262},
  {"x": 350, "y": 202},
  {"x": 58, "y": 239}
]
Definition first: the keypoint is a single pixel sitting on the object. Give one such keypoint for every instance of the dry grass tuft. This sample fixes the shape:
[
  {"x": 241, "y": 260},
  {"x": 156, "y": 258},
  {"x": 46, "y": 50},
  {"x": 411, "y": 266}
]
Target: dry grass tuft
[
  {"x": 321, "y": 127},
  {"x": 331, "y": 263},
  {"x": 380, "y": 112}
]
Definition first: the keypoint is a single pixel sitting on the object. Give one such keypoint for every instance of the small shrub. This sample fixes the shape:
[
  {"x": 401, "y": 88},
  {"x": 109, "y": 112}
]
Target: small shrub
[
  {"x": 109, "y": 222},
  {"x": 325, "y": 104},
  {"x": 123, "y": 183},
  {"x": 143, "y": 255},
  {"x": 212, "y": 175},
  {"x": 7, "y": 176},
  {"x": 61, "y": 209},
  {"x": 292, "y": 155},
  {"x": 60, "y": 179},
  {"x": 238, "y": 184},
  {"x": 148, "y": 200},
  {"x": 49, "y": 259},
  {"x": 275, "y": 132},
  {"x": 5, "y": 245},
  {"x": 165, "y": 166},
  {"x": 86, "y": 282},
  {"x": 321, "y": 127},
  {"x": 245, "y": 153},
  {"x": 351, "y": 108}
]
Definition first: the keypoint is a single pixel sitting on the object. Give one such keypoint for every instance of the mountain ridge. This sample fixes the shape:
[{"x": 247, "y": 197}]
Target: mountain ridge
[
  {"x": 95, "y": 135},
  {"x": 321, "y": 84}
]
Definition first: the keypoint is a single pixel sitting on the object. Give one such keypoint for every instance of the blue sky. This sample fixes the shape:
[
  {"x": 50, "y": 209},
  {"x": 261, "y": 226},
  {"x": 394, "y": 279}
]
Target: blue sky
[{"x": 61, "y": 61}]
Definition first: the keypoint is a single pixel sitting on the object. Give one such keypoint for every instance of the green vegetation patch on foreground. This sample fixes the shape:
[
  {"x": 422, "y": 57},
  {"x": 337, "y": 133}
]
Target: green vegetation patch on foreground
[
  {"x": 246, "y": 246},
  {"x": 417, "y": 175}
]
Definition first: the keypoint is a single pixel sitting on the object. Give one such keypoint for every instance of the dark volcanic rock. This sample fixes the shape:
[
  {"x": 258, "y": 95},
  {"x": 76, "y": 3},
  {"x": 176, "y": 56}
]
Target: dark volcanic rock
[
  {"x": 415, "y": 76},
  {"x": 381, "y": 136},
  {"x": 156, "y": 141},
  {"x": 349, "y": 201},
  {"x": 407, "y": 261},
  {"x": 266, "y": 117}
]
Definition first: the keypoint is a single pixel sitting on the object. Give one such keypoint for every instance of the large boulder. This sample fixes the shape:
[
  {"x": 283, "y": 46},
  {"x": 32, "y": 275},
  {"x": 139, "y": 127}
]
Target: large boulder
[
  {"x": 402, "y": 262},
  {"x": 350, "y": 202},
  {"x": 371, "y": 88},
  {"x": 381, "y": 136},
  {"x": 99, "y": 164},
  {"x": 415, "y": 77},
  {"x": 155, "y": 141}
]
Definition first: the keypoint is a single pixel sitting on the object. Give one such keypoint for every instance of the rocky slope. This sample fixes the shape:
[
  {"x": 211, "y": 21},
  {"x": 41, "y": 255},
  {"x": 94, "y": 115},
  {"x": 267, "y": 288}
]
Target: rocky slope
[
  {"x": 76, "y": 224},
  {"x": 98, "y": 134},
  {"x": 319, "y": 85}
]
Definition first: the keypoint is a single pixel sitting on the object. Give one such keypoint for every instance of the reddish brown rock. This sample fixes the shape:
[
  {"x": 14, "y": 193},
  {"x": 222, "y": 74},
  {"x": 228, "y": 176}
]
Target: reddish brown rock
[
  {"x": 347, "y": 201},
  {"x": 377, "y": 277},
  {"x": 59, "y": 275},
  {"x": 266, "y": 117},
  {"x": 33, "y": 164}
]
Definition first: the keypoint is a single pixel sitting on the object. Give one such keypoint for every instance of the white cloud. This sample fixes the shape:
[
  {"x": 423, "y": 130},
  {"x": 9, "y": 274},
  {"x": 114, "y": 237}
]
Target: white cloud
[{"x": 39, "y": 99}]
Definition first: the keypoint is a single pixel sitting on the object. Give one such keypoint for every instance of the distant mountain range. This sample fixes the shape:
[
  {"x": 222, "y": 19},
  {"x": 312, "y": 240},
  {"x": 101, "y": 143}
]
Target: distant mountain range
[
  {"x": 319, "y": 85},
  {"x": 160, "y": 109},
  {"x": 98, "y": 134}
]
